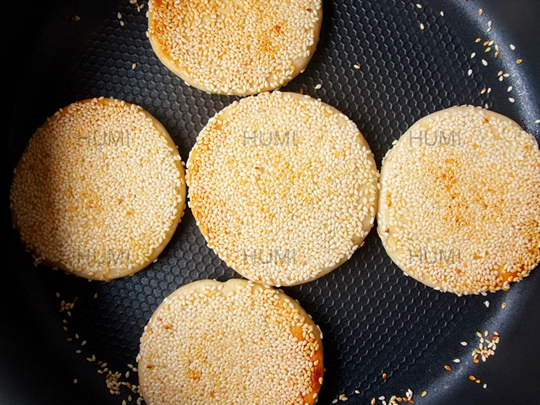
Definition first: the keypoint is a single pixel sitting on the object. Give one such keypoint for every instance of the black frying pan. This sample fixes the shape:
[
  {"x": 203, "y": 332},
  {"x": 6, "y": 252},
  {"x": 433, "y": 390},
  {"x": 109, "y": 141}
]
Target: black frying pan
[{"x": 375, "y": 320}]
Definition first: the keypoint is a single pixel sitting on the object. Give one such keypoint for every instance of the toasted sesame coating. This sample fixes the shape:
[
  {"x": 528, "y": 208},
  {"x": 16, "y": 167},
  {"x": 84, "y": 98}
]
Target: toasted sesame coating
[
  {"x": 235, "y": 47},
  {"x": 283, "y": 187},
  {"x": 99, "y": 189},
  {"x": 459, "y": 206},
  {"x": 229, "y": 343}
]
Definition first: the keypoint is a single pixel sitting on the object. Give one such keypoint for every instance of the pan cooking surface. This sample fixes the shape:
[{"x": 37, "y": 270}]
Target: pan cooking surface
[{"x": 384, "y": 64}]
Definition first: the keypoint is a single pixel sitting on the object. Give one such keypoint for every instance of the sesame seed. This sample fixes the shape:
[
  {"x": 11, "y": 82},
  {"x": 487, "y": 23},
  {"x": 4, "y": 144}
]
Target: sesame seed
[
  {"x": 509, "y": 89},
  {"x": 318, "y": 86},
  {"x": 288, "y": 254},
  {"x": 242, "y": 323},
  {"x": 94, "y": 131},
  {"x": 119, "y": 15},
  {"x": 226, "y": 39},
  {"x": 519, "y": 61},
  {"x": 133, "y": 66},
  {"x": 470, "y": 72},
  {"x": 447, "y": 367},
  {"x": 478, "y": 40},
  {"x": 512, "y": 47},
  {"x": 356, "y": 67},
  {"x": 456, "y": 360},
  {"x": 422, "y": 26},
  {"x": 442, "y": 13},
  {"x": 484, "y": 62},
  {"x": 424, "y": 393},
  {"x": 511, "y": 99},
  {"x": 536, "y": 122},
  {"x": 473, "y": 55},
  {"x": 459, "y": 268},
  {"x": 418, "y": 5},
  {"x": 480, "y": 11},
  {"x": 75, "y": 381},
  {"x": 486, "y": 303}
]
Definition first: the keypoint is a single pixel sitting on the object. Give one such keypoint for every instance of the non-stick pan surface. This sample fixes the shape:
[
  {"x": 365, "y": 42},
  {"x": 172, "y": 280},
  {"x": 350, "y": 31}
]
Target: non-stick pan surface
[{"x": 383, "y": 63}]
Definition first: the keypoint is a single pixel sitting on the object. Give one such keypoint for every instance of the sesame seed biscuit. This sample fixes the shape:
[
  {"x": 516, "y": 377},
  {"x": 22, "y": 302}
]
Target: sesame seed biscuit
[
  {"x": 235, "y": 47},
  {"x": 283, "y": 187},
  {"x": 459, "y": 206},
  {"x": 99, "y": 189},
  {"x": 236, "y": 342}
]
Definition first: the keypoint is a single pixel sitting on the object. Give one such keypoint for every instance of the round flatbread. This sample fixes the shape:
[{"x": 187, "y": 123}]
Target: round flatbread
[
  {"x": 235, "y": 47},
  {"x": 99, "y": 189},
  {"x": 230, "y": 343},
  {"x": 459, "y": 206},
  {"x": 283, "y": 187}
]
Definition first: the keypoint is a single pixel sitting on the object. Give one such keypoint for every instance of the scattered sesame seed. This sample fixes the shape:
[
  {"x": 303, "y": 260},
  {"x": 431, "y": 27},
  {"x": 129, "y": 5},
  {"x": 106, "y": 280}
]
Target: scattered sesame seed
[
  {"x": 470, "y": 72},
  {"x": 509, "y": 89},
  {"x": 422, "y": 26},
  {"x": 318, "y": 86},
  {"x": 418, "y": 5},
  {"x": 442, "y": 13},
  {"x": 134, "y": 66},
  {"x": 478, "y": 40},
  {"x": 356, "y": 392},
  {"x": 484, "y": 386},
  {"x": 78, "y": 351},
  {"x": 512, "y": 100},
  {"x": 488, "y": 49},
  {"x": 519, "y": 61},
  {"x": 483, "y": 90},
  {"x": 463, "y": 343},
  {"x": 122, "y": 23},
  {"x": 456, "y": 360},
  {"x": 473, "y": 55},
  {"x": 486, "y": 303},
  {"x": 447, "y": 367},
  {"x": 373, "y": 401},
  {"x": 536, "y": 122},
  {"x": 480, "y": 11},
  {"x": 512, "y": 47},
  {"x": 356, "y": 66},
  {"x": 75, "y": 381},
  {"x": 484, "y": 62},
  {"x": 119, "y": 15}
]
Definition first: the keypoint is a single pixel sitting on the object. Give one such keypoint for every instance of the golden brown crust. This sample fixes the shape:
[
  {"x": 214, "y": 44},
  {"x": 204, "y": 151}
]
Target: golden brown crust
[
  {"x": 235, "y": 48},
  {"x": 245, "y": 325},
  {"x": 291, "y": 211},
  {"x": 459, "y": 203},
  {"x": 59, "y": 204}
]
